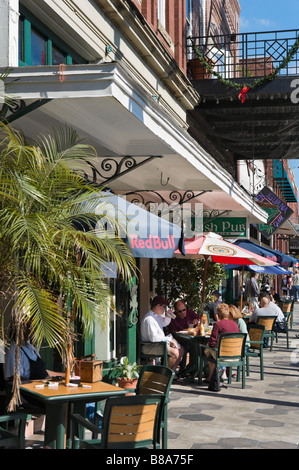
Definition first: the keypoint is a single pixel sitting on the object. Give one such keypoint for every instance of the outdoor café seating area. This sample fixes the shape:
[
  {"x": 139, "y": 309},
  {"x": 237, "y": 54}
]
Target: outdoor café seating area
[{"x": 67, "y": 426}]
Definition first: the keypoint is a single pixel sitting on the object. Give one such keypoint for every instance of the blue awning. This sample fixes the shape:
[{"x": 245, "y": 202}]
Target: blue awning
[
  {"x": 259, "y": 250},
  {"x": 281, "y": 258}
]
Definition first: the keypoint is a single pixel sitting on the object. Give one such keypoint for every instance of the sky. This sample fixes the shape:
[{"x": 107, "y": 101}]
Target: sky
[{"x": 271, "y": 15}]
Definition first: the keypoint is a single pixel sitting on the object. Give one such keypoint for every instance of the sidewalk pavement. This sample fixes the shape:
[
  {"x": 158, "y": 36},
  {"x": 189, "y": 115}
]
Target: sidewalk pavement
[{"x": 264, "y": 415}]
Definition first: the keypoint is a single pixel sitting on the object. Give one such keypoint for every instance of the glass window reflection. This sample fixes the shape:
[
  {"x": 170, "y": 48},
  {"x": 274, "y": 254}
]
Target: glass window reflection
[
  {"x": 58, "y": 57},
  {"x": 38, "y": 48}
]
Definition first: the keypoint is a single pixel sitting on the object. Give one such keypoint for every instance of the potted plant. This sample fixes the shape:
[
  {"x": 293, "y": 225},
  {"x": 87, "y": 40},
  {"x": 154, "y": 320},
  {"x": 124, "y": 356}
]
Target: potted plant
[{"x": 127, "y": 373}]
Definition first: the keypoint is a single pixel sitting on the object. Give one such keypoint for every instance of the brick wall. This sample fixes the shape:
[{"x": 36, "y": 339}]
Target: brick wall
[{"x": 173, "y": 34}]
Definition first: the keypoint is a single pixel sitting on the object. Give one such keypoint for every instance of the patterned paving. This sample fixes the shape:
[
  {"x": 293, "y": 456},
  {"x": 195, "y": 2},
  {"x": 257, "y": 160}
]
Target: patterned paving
[{"x": 264, "y": 415}]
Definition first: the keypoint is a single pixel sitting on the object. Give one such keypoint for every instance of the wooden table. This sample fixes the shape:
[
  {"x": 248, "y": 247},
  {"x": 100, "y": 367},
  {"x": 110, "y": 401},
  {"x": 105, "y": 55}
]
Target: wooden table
[
  {"x": 194, "y": 343},
  {"x": 56, "y": 402}
]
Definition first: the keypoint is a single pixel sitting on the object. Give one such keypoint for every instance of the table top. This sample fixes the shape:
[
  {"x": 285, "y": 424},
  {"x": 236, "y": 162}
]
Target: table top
[
  {"x": 186, "y": 334},
  {"x": 61, "y": 392}
]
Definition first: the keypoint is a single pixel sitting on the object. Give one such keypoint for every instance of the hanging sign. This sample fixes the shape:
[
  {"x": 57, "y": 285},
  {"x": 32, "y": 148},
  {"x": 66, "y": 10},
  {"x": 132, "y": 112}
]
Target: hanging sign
[
  {"x": 279, "y": 212},
  {"x": 226, "y": 226}
]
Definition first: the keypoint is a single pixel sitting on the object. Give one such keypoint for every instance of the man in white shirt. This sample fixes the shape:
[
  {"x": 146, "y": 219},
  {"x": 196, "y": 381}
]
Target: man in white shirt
[
  {"x": 268, "y": 308},
  {"x": 152, "y": 331}
]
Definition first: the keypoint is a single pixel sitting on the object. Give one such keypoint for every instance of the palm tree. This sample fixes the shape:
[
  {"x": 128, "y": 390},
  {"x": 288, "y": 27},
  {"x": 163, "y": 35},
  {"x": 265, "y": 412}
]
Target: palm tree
[{"x": 49, "y": 246}]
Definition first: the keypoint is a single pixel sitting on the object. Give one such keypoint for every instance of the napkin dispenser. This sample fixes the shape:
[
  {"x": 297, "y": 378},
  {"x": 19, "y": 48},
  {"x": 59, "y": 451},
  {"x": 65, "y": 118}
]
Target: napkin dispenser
[{"x": 89, "y": 369}]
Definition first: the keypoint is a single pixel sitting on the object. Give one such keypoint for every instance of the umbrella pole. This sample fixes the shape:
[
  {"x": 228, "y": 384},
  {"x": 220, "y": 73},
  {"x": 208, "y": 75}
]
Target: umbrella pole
[
  {"x": 241, "y": 302},
  {"x": 204, "y": 286}
]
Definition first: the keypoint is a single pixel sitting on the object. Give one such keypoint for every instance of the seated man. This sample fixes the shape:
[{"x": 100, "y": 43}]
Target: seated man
[
  {"x": 280, "y": 320},
  {"x": 222, "y": 325},
  {"x": 267, "y": 308},
  {"x": 184, "y": 317},
  {"x": 152, "y": 331}
]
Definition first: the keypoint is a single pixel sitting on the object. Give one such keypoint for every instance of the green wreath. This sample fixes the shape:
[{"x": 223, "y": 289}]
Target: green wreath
[{"x": 258, "y": 82}]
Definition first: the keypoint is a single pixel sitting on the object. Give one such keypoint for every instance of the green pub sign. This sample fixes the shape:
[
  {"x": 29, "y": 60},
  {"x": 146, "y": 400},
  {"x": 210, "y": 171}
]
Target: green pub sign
[{"x": 226, "y": 226}]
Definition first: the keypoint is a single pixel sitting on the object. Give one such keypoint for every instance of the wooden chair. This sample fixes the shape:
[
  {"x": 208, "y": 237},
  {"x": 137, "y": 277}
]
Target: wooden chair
[
  {"x": 269, "y": 323},
  {"x": 284, "y": 329},
  {"x": 157, "y": 380},
  {"x": 286, "y": 307},
  {"x": 256, "y": 335},
  {"x": 8, "y": 439},
  {"x": 231, "y": 353},
  {"x": 128, "y": 422}
]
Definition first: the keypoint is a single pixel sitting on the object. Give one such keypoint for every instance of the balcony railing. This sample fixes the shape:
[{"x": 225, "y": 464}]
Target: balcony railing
[{"x": 243, "y": 55}]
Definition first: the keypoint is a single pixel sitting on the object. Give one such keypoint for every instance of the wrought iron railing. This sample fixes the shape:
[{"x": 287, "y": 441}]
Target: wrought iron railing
[{"x": 243, "y": 55}]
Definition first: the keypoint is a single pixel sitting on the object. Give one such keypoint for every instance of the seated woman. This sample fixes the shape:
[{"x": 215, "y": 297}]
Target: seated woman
[
  {"x": 223, "y": 324},
  {"x": 236, "y": 316}
]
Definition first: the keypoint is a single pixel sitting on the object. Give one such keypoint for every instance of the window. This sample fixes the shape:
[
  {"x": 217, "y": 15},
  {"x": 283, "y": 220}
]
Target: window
[
  {"x": 161, "y": 13},
  {"x": 189, "y": 27},
  {"x": 39, "y": 46}
]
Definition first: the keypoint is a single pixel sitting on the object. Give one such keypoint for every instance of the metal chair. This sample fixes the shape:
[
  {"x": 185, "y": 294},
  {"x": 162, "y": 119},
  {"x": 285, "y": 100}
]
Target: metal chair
[
  {"x": 9, "y": 439},
  {"x": 269, "y": 322},
  {"x": 128, "y": 422},
  {"x": 256, "y": 335},
  {"x": 157, "y": 380},
  {"x": 284, "y": 328}
]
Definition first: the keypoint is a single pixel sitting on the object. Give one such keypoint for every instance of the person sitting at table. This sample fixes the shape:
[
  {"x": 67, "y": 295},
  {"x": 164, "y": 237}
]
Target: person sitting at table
[
  {"x": 276, "y": 310},
  {"x": 267, "y": 307},
  {"x": 29, "y": 358},
  {"x": 184, "y": 317},
  {"x": 223, "y": 324},
  {"x": 152, "y": 331},
  {"x": 236, "y": 316}
]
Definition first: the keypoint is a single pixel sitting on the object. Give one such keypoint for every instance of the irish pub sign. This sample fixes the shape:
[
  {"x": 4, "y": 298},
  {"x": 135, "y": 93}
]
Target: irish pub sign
[{"x": 234, "y": 227}]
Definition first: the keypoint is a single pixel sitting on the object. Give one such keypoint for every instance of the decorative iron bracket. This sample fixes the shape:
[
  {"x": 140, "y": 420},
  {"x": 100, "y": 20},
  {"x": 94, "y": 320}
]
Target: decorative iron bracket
[
  {"x": 211, "y": 215},
  {"x": 19, "y": 108},
  {"x": 111, "y": 169}
]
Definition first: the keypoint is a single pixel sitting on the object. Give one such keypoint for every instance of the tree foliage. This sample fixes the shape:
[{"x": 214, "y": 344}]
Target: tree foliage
[
  {"x": 51, "y": 254},
  {"x": 183, "y": 279}
]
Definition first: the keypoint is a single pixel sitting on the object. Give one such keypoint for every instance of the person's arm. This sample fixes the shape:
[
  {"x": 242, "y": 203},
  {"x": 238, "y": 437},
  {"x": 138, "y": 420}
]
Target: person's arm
[{"x": 214, "y": 336}]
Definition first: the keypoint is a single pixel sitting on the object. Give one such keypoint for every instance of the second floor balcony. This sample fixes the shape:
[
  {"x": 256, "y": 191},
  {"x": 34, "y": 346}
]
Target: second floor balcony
[
  {"x": 243, "y": 55},
  {"x": 265, "y": 124}
]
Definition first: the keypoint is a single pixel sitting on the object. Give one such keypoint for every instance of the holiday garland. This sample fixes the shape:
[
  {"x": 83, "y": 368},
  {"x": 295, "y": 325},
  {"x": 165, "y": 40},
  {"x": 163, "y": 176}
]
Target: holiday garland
[{"x": 245, "y": 87}]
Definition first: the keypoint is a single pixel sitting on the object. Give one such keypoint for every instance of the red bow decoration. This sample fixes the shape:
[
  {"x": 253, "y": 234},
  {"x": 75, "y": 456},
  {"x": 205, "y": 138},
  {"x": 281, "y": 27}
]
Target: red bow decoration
[{"x": 242, "y": 94}]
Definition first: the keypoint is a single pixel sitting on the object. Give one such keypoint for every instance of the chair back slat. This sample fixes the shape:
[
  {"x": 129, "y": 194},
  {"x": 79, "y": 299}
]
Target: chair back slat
[
  {"x": 286, "y": 307},
  {"x": 231, "y": 347},
  {"x": 132, "y": 423},
  {"x": 256, "y": 334},
  {"x": 153, "y": 382},
  {"x": 268, "y": 322}
]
